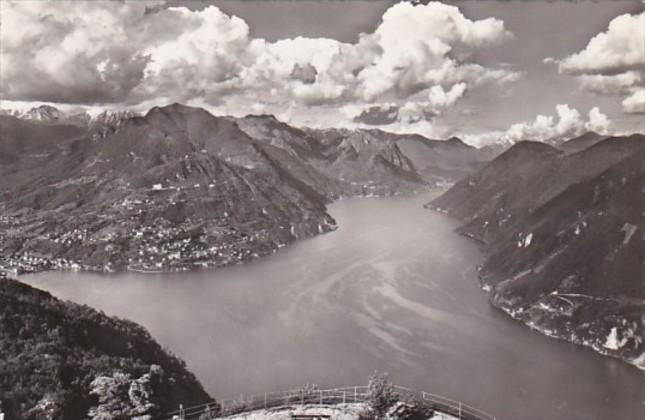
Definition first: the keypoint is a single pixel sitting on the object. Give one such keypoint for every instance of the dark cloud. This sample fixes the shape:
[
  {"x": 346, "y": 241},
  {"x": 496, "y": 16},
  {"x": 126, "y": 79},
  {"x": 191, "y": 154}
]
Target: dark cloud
[
  {"x": 377, "y": 115},
  {"x": 88, "y": 86},
  {"x": 424, "y": 115},
  {"x": 305, "y": 73}
]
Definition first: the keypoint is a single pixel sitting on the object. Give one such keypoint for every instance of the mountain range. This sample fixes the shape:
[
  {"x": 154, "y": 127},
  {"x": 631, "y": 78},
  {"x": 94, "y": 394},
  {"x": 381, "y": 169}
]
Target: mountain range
[
  {"x": 47, "y": 114},
  {"x": 561, "y": 225},
  {"x": 179, "y": 188},
  {"x": 562, "y": 232}
]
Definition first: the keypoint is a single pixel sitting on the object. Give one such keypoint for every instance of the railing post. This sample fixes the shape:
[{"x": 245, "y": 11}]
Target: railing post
[
  {"x": 321, "y": 397},
  {"x": 265, "y": 400},
  {"x": 459, "y": 411},
  {"x": 355, "y": 394},
  {"x": 344, "y": 397}
]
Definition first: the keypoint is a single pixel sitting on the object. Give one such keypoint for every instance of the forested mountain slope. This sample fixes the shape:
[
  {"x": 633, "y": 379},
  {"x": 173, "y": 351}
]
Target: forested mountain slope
[
  {"x": 61, "y": 360},
  {"x": 563, "y": 238}
]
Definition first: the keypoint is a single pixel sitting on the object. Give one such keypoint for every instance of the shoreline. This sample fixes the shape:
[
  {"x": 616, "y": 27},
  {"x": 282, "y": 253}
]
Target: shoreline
[
  {"x": 637, "y": 362},
  {"x": 59, "y": 264},
  {"x": 577, "y": 341}
]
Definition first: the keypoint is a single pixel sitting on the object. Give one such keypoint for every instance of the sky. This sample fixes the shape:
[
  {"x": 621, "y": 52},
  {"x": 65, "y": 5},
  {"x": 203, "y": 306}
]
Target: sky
[{"x": 486, "y": 70}]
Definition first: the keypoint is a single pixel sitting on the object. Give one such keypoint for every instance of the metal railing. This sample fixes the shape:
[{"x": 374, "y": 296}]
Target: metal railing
[{"x": 323, "y": 397}]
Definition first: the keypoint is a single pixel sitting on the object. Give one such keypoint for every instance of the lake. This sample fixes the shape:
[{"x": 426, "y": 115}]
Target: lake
[{"x": 394, "y": 289}]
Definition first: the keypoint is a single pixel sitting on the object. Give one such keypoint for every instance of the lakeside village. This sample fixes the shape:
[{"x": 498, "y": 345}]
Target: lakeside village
[{"x": 108, "y": 241}]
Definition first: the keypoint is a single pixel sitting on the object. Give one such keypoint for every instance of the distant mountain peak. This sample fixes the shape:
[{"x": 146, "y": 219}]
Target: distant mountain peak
[
  {"x": 46, "y": 108},
  {"x": 584, "y": 141},
  {"x": 586, "y": 136},
  {"x": 532, "y": 144},
  {"x": 44, "y": 113},
  {"x": 527, "y": 147},
  {"x": 108, "y": 122},
  {"x": 591, "y": 133},
  {"x": 48, "y": 114},
  {"x": 457, "y": 142},
  {"x": 262, "y": 117},
  {"x": 174, "y": 107}
]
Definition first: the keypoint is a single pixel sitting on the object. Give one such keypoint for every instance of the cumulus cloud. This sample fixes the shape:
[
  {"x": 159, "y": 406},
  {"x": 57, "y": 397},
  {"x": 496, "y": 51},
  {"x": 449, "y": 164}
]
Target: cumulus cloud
[
  {"x": 417, "y": 47},
  {"x": 436, "y": 100},
  {"x": 568, "y": 123},
  {"x": 439, "y": 98},
  {"x": 597, "y": 122},
  {"x": 613, "y": 62},
  {"x": 635, "y": 104},
  {"x": 616, "y": 84},
  {"x": 206, "y": 56},
  {"x": 137, "y": 52},
  {"x": 620, "y": 48},
  {"x": 71, "y": 51}
]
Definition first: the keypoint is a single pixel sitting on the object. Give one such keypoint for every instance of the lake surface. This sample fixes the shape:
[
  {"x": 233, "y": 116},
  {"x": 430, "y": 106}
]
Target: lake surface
[{"x": 394, "y": 289}]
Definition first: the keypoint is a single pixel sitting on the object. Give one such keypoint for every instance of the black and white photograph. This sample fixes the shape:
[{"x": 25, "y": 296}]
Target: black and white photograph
[{"x": 322, "y": 210}]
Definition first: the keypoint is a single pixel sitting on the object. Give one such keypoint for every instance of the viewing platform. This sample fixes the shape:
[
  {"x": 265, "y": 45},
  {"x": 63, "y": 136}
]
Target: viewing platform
[{"x": 297, "y": 400}]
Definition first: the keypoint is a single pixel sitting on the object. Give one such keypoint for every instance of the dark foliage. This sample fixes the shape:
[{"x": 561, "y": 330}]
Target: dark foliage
[
  {"x": 381, "y": 395},
  {"x": 56, "y": 356}
]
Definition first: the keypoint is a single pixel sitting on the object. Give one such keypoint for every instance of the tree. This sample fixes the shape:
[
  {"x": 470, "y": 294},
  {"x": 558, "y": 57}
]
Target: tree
[
  {"x": 380, "y": 394},
  {"x": 308, "y": 394}
]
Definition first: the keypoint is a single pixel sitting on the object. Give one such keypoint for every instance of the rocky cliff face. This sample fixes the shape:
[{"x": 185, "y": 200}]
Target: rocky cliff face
[
  {"x": 367, "y": 163},
  {"x": 175, "y": 189},
  {"x": 344, "y": 162},
  {"x": 563, "y": 238},
  {"x": 61, "y": 360},
  {"x": 108, "y": 122},
  {"x": 441, "y": 160}
]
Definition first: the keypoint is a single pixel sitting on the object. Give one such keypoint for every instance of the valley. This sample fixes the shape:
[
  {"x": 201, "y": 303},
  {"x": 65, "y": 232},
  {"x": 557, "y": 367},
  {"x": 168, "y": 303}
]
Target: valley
[
  {"x": 243, "y": 210},
  {"x": 178, "y": 189}
]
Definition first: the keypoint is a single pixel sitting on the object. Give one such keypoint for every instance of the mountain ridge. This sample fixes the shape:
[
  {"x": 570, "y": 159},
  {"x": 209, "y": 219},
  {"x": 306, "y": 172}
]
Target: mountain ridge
[
  {"x": 236, "y": 188},
  {"x": 174, "y": 189},
  {"x": 560, "y": 234}
]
